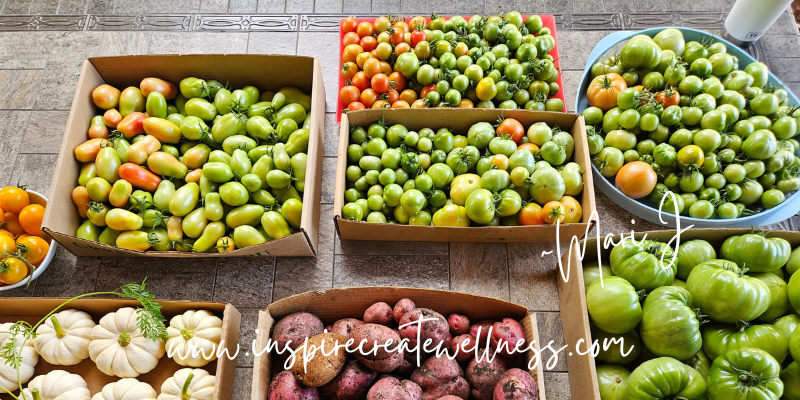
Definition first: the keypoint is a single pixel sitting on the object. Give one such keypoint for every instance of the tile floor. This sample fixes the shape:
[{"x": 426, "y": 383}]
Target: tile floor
[{"x": 42, "y": 45}]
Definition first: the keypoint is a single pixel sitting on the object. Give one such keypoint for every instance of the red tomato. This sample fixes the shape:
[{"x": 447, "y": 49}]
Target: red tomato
[
  {"x": 397, "y": 81},
  {"x": 392, "y": 96},
  {"x": 427, "y": 89},
  {"x": 349, "y": 24},
  {"x": 350, "y": 38},
  {"x": 512, "y": 129},
  {"x": 355, "y": 106},
  {"x": 669, "y": 97},
  {"x": 368, "y": 43},
  {"x": 400, "y": 104},
  {"x": 418, "y": 36},
  {"x": 360, "y": 81}
]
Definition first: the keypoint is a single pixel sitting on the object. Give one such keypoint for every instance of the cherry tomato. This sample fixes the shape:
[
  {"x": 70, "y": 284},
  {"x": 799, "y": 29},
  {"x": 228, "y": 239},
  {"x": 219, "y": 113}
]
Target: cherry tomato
[
  {"x": 553, "y": 212},
  {"x": 409, "y": 96},
  {"x": 350, "y": 38},
  {"x": 381, "y": 104},
  {"x": 401, "y": 48},
  {"x": 14, "y": 199},
  {"x": 400, "y": 104},
  {"x": 368, "y": 43},
  {"x": 33, "y": 248},
  {"x": 368, "y": 97},
  {"x": 349, "y": 70},
  {"x": 30, "y": 218},
  {"x": 362, "y": 58},
  {"x": 397, "y": 81},
  {"x": 531, "y": 214},
  {"x": 360, "y": 81},
  {"x": 391, "y": 96},
  {"x": 372, "y": 67},
  {"x": 380, "y": 83},
  {"x": 349, "y": 24},
  {"x": 365, "y": 29},
  {"x": 349, "y": 94},
  {"x": 355, "y": 106},
  {"x": 636, "y": 179},
  {"x": 351, "y": 51},
  {"x": 382, "y": 24},
  {"x": 7, "y": 244},
  {"x": 4, "y": 232},
  {"x": 12, "y": 271},
  {"x": 669, "y": 97},
  {"x": 465, "y": 103},
  {"x": 511, "y": 129}
]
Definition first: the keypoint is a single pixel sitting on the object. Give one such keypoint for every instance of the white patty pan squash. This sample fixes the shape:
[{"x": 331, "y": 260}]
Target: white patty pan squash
[
  {"x": 58, "y": 385},
  {"x": 120, "y": 349},
  {"x": 188, "y": 384},
  {"x": 193, "y": 338},
  {"x": 8, "y": 375},
  {"x": 63, "y": 339},
  {"x": 126, "y": 389}
]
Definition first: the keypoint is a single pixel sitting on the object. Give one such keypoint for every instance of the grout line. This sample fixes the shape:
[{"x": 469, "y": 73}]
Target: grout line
[
  {"x": 274, "y": 277},
  {"x": 214, "y": 283}
]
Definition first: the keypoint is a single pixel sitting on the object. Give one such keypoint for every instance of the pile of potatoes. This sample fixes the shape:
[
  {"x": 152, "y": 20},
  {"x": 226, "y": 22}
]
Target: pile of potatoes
[{"x": 377, "y": 374}]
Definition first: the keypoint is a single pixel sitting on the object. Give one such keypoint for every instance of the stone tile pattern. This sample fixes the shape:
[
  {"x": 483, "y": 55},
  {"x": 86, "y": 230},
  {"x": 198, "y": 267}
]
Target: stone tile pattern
[{"x": 42, "y": 69}]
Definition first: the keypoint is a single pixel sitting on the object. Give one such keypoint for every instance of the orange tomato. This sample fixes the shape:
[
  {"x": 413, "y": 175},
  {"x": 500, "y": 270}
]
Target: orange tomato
[
  {"x": 529, "y": 146},
  {"x": 669, "y": 97},
  {"x": 372, "y": 67},
  {"x": 106, "y": 96},
  {"x": 225, "y": 245},
  {"x": 350, "y": 38},
  {"x": 380, "y": 83},
  {"x": 80, "y": 196},
  {"x": 34, "y": 249},
  {"x": 351, "y": 51},
  {"x": 553, "y": 212},
  {"x": 2, "y": 216},
  {"x": 419, "y": 103},
  {"x": 368, "y": 97},
  {"x": 12, "y": 271},
  {"x": 349, "y": 94},
  {"x": 401, "y": 48},
  {"x": 4, "y": 232},
  {"x": 400, "y": 26},
  {"x": 380, "y": 104},
  {"x": 418, "y": 23},
  {"x": 636, "y": 179},
  {"x": 511, "y": 129},
  {"x": 531, "y": 214},
  {"x": 13, "y": 225},
  {"x": 572, "y": 210},
  {"x": 465, "y": 103},
  {"x": 360, "y": 80},
  {"x": 112, "y": 118},
  {"x": 386, "y": 68},
  {"x": 349, "y": 70},
  {"x": 365, "y": 29},
  {"x": 500, "y": 161},
  {"x": 400, "y": 104},
  {"x": 355, "y": 106},
  {"x": 30, "y": 218},
  {"x": 397, "y": 81},
  {"x": 13, "y": 199},
  {"x": 368, "y": 43},
  {"x": 603, "y": 91},
  {"x": 150, "y": 85},
  {"x": 409, "y": 96},
  {"x": 7, "y": 245},
  {"x": 349, "y": 24}
]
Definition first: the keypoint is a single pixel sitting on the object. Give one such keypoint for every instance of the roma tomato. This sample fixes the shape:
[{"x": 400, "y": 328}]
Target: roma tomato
[
  {"x": 139, "y": 177},
  {"x": 150, "y": 85}
]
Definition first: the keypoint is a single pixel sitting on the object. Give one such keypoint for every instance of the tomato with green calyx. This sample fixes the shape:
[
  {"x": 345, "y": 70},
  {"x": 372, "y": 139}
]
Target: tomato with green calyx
[
  {"x": 609, "y": 161},
  {"x": 546, "y": 185},
  {"x": 744, "y": 374},
  {"x": 613, "y": 305},
  {"x": 723, "y": 292},
  {"x": 646, "y": 265},
  {"x": 508, "y": 202},
  {"x": 756, "y": 252},
  {"x": 670, "y": 323},
  {"x": 612, "y": 381},
  {"x": 718, "y": 339},
  {"x": 692, "y": 253},
  {"x": 640, "y": 54}
]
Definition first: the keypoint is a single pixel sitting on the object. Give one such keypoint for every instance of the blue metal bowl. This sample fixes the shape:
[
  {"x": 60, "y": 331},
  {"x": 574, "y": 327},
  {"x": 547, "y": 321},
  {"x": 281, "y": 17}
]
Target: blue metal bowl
[{"x": 643, "y": 208}]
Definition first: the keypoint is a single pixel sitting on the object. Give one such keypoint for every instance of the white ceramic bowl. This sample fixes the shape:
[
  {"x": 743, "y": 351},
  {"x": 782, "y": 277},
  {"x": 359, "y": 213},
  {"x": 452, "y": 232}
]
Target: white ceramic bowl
[{"x": 37, "y": 198}]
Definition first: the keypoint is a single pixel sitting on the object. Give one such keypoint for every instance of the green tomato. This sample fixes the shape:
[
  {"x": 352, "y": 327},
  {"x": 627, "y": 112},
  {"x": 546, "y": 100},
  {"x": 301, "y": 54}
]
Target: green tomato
[
  {"x": 546, "y": 185},
  {"x": 670, "y": 325},
  {"x": 722, "y": 291},
  {"x": 718, "y": 339},
  {"x": 700, "y": 363},
  {"x": 745, "y": 373},
  {"x": 622, "y": 348},
  {"x": 646, "y": 265},
  {"x": 779, "y": 296},
  {"x": 790, "y": 376},
  {"x": 692, "y": 253},
  {"x": 665, "y": 378},
  {"x": 479, "y": 206},
  {"x": 609, "y": 161},
  {"x": 612, "y": 381},
  {"x": 613, "y": 305},
  {"x": 756, "y": 252},
  {"x": 640, "y": 54}
]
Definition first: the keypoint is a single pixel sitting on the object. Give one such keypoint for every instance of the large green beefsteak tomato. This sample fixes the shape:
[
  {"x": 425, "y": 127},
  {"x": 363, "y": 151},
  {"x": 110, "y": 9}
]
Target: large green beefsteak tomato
[
  {"x": 718, "y": 339},
  {"x": 794, "y": 292},
  {"x": 617, "y": 348},
  {"x": 670, "y": 325},
  {"x": 612, "y": 380},
  {"x": 646, "y": 265},
  {"x": 592, "y": 271},
  {"x": 745, "y": 374},
  {"x": 614, "y": 305},
  {"x": 699, "y": 362},
  {"x": 787, "y": 324},
  {"x": 790, "y": 376},
  {"x": 723, "y": 292},
  {"x": 665, "y": 378},
  {"x": 756, "y": 252},
  {"x": 779, "y": 295},
  {"x": 692, "y": 253}
]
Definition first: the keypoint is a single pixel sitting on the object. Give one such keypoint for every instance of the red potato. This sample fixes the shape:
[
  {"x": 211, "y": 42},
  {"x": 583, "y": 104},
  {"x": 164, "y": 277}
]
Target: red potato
[
  {"x": 516, "y": 384},
  {"x": 345, "y": 326},
  {"x": 295, "y": 328},
  {"x": 449, "y": 397},
  {"x": 367, "y": 337},
  {"x": 483, "y": 376},
  {"x": 433, "y": 333},
  {"x": 285, "y": 387},
  {"x": 483, "y": 328},
  {"x": 352, "y": 383},
  {"x": 459, "y": 324},
  {"x": 379, "y": 313},
  {"x": 382, "y": 365},
  {"x": 408, "y": 365},
  {"x": 391, "y": 388},
  {"x": 401, "y": 308},
  {"x": 441, "y": 376},
  {"x": 463, "y": 347},
  {"x": 509, "y": 332}
]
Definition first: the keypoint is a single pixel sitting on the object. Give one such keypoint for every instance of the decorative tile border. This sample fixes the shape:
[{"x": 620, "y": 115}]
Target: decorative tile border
[
  {"x": 43, "y": 23},
  {"x": 693, "y": 20},
  {"x": 224, "y": 23},
  {"x": 141, "y": 22},
  {"x": 587, "y": 22}
]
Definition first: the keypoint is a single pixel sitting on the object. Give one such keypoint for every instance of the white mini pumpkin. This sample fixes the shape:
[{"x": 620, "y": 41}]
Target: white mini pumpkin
[
  {"x": 8, "y": 375},
  {"x": 63, "y": 339},
  {"x": 58, "y": 385},
  {"x": 120, "y": 349},
  {"x": 193, "y": 338},
  {"x": 126, "y": 389},
  {"x": 201, "y": 387}
]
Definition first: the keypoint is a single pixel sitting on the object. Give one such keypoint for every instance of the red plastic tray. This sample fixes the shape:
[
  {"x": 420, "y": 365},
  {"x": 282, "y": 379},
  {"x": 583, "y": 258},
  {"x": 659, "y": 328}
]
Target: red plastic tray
[{"x": 548, "y": 21}]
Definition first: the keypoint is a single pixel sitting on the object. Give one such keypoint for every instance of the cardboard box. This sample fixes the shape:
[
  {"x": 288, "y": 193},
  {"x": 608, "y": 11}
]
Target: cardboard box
[
  {"x": 332, "y": 305},
  {"x": 572, "y": 296},
  {"x": 462, "y": 120},
  {"x": 263, "y": 71},
  {"x": 33, "y": 310}
]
